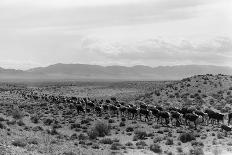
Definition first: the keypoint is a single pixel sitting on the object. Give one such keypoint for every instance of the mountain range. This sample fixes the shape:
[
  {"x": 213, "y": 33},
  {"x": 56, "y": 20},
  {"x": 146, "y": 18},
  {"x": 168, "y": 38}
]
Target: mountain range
[{"x": 97, "y": 72}]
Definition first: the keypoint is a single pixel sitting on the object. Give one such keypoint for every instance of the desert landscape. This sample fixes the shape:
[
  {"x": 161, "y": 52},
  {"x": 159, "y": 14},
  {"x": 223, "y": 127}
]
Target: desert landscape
[
  {"x": 101, "y": 118},
  {"x": 115, "y": 77}
]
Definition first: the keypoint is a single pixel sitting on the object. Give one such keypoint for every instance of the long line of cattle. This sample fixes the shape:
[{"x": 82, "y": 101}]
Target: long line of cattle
[{"x": 175, "y": 116}]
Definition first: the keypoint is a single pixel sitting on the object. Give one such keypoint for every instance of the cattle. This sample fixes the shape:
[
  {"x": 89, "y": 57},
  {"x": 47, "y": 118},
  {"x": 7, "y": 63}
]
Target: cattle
[
  {"x": 98, "y": 110},
  {"x": 159, "y": 108},
  {"x": 177, "y": 116},
  {"x": 68, "y": 105},
  {"x": 226, "y": 128},
  {"x": 79, "y": 108},
  {"x": 229, "y": 118},
  {"x": 144, "y": 112},
  {"x": 154, "y": 112},
  {"x": 123, "y": 110},
  {"x": 132, "y": 112},
  {"x": 192, "y": 117},
  {"x": 142, "y": 105},
  {"x": 90, "y": 105},
  {"x": 214, "y": 116},
  {"x": 113, "y": 109},
  {"x": 164, "y": 115},
  {"x": 202, "y": 114}
]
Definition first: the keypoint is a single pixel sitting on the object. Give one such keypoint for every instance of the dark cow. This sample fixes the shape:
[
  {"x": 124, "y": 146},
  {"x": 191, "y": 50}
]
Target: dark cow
[
  {"x": 229, "y": 118},
  {"x": 113, "y": 109},
  {"x": 164, "y": 115},
  {"x": 202, "y": 114},
  {"x": 144, "y": 112},
  {"x": 79, "y": 108},
  {"x": 177, "y": 116},
  {"x": 98, "y": 110},
  {"x": 154, "y": 111},
  {"x": 132, "y": 112},
  {"x": 123, "y": 110},
  {"x": 226, "y": 128},
  {"x": 192, "y": 117},
  {"x": 214, "y": 116}
]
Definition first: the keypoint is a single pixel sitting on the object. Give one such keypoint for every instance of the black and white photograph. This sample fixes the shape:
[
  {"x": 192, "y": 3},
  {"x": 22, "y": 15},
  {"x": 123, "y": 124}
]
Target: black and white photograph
[{"x": 115, "y": 77}]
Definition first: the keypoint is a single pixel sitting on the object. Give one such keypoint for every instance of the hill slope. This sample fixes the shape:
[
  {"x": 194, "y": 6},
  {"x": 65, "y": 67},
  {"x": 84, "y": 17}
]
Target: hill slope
[{"x": 201, "y": 90}]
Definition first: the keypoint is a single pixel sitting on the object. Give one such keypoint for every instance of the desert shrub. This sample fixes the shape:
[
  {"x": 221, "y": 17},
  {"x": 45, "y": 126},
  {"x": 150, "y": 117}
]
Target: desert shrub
[
  {"x": 12, "y": 122},
  {"x": 95, "y": 146},
  {"x": 2, "y": 119},
  {"x": 220, "y": 135},
  {"x": 92, "y": 134},
  {"x": 129, "y": 144},
  {"x": 169, "y": 141},
  {"x": 17, "y": 114},
  {"x": 179, "y": 149},
  {"x": 140, "y": 134},
  {"x": 111, "y": 121},
  {"x": 82, "y": 136},
  {"x": 170, "y": 153},
  {"x": 69, "y": 153},
  {"x": 229, "y": 143},
  {"x": 122, "y": 124},
  {"x": 156, "y": 148},
  {"x": 2, "y": 126},
  {"x": 74, "y": 136},
  {"x": 157, "y": 126},
  {"x": 47, "y": 121},
  {"x": 115, "y": 146},
  {"x": 19, "y": 142},
  {"x": 157, "y": 139},
  {"x": 204, "y": 136},
  {"x": 116, "y": 140},
  {"x": 141, "y": 143},
  {"x": 85, "y": 121},
  {"x": 34, "y": 119},
  {"x": 37, "y": 128},
  {"x": 123, "y": 119},
  {"x": 186, "y": 137},
  {"x": 106, "y": 141},
  {"x": 197, "y": 143},
  {"x": 196, "y": 151},
  {"x": 150, "y": 134},
  {"x": 160, "y": 131},
  {"x": 129, "y": 129},
  {"x": 34, "y": 141},
  {"x": 166, "y": 130},
  {"x": 100, "y": 129},
  {"x": 75, "y": 125},
  {"x": 20, "y": 123}
]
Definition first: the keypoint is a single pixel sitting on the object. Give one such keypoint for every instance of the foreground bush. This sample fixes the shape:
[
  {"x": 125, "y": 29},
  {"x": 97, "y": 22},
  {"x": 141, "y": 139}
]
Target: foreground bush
[
  {"x": 106, "y": 141},
  {"x": 156, "y": 148},
  {"x": 116, "y": 146},
  {"x": 35, "y": 119},
  {"x": 186, "y": 137},
  {"x": 17, "y": 114},
  {"x": 19, "y": 142},
  {"x": 196, "y": 151},
  {"x": 100, "y": 129},
  {"x": 140, "y": 135}
]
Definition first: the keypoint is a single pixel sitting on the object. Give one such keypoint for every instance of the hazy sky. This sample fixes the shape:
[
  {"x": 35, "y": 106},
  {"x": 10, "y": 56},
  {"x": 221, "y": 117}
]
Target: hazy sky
[{"x": 115, "y": 32}]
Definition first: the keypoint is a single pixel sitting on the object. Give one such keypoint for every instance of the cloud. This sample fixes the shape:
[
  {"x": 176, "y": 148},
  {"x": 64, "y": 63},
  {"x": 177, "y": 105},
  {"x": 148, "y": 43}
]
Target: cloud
[
  {"x": 79, "y": 14},
  {"x": 216, "y": 51}
]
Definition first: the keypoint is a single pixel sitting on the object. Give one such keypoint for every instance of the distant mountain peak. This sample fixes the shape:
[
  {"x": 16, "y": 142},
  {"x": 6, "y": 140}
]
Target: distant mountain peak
[{"x": 138, "y": 72}]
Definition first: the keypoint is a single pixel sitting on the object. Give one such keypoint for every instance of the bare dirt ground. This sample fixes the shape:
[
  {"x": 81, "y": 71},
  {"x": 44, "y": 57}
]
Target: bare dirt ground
[{"x": 33, "y": 127}]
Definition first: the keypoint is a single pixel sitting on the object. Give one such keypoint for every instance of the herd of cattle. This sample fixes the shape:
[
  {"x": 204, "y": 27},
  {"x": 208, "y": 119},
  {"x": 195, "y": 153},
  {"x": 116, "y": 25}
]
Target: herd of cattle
[{"x": 138, "y": 110}]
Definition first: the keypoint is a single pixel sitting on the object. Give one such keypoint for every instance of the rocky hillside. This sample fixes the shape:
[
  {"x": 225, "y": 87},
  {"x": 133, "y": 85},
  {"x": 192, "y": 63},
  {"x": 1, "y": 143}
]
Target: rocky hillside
[{"x": 201, "y": 90}]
